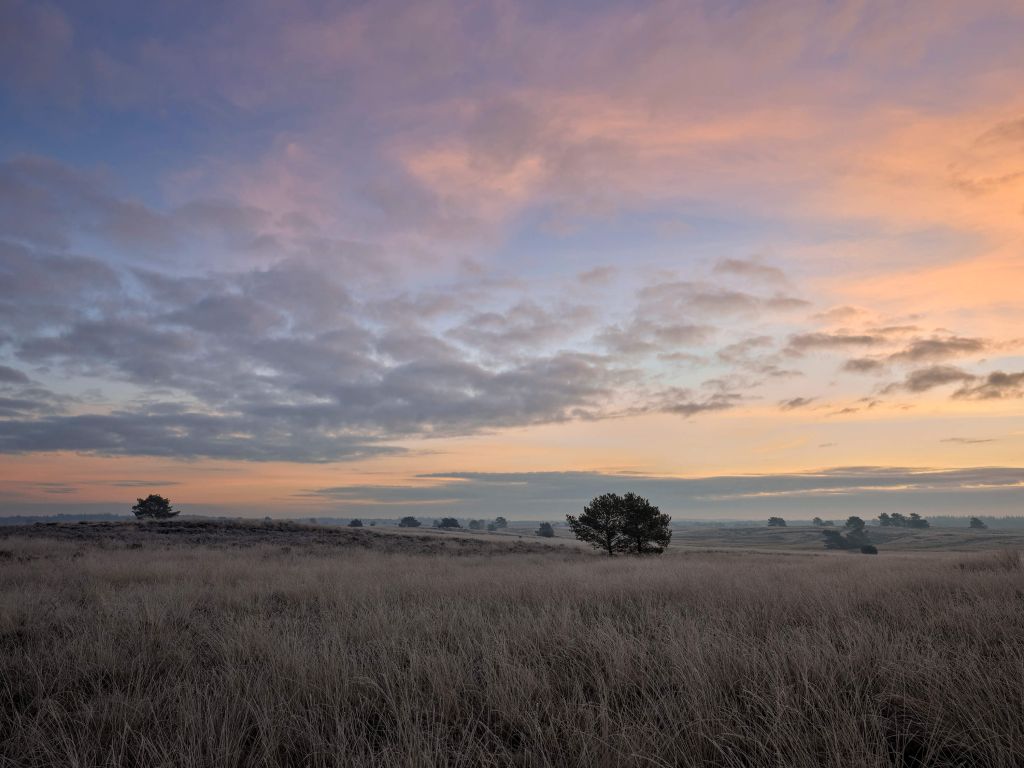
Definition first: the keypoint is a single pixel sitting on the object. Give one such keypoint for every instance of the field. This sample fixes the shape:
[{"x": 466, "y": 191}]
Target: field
[{"x": 280, "y": 645}]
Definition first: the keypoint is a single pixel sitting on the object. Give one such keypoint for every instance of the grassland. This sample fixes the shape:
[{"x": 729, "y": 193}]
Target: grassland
[{"x": 250, "y": 646}]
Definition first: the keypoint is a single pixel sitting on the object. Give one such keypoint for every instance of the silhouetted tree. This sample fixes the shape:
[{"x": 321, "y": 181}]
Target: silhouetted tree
[
  {"x": 448, "y": 522},
  {"x": 357, "y": 523},
  {"x": 897, "y": 520},
  {"x": 492, "y": 527},
  {"x": 817, "y": 522},
  {"x": 916, "y": 521},
  {"x": 601, "y": 524},
  {"x": 884, "y": 520},
  {"x": 476, "y": 525},
  {"x": 978, "y": 523},
  {"x": 500, "y": 522},
  {"x": 408, "y": 522},
  {"x": 776, "y": 522},
  {"x": 648, "y": 530},
  {"x": 154, "y": 506},
  {"x": 546, "y": 530},
  {"x": 854, "y": 523}
]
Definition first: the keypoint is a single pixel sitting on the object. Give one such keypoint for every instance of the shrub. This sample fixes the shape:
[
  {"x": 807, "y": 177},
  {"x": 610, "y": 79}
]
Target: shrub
[
  {"x": 357, "y": 523},
  {"x": 546, "y": 530},
  {"x": 409, "y": 522},
  {"x": 868, "y": 549},
  {"x": 978, "y": 524},
  {"x": 448, "y": 522}
]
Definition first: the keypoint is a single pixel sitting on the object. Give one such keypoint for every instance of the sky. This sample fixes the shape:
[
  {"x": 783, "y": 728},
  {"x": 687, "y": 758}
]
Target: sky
[{"x": 382, "y": 258}]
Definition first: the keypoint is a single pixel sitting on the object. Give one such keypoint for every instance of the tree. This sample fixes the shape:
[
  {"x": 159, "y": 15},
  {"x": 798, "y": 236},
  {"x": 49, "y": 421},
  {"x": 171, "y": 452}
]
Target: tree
[
  {"x": 854, "y": 523},
  {"x": 476, "y": 525},
  {"x": 646, "y": 527},
  {"x": 884, "y": 520},
  {"x": 448, "y": 522},
  {"x": 978, "y": 523},
  {"x": 408, "y": 522},
  {"x": 916, "y": 521},
  {"x": 500, "y": 522},
  {"x": 546, "y": 530},
  {"x": 817, "y": 522},
  {"x": 357, "y": 523},
  {"x": 897, "y": 520},
  {"x": 154, "y": 506},
  {"x": 776, "y": 522},
  {"x": 601, "y": 524},
  {"x": 492, "y": 527}
]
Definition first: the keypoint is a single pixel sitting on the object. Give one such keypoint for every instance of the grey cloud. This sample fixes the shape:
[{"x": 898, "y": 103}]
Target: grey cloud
[
  {"x": 924, "y": 379},
  {"x": 864, "y": 365},
  {"x": 804, "y": 342},
  {"x": 994, "y": 386},
  {"x": 922, "y": 350},
  {"x": 12, "y": 376},
  {"x": 834, "y": 492},
  {"x": 796, "y": 402},
  {"x": 523, "y": 327},
  {"x": 968, "y": 440},
  {"x": 181, "y": 435}
]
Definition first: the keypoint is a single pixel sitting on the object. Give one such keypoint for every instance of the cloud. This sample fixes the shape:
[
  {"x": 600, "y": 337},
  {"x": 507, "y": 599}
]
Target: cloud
[
  {"x": 864, "y": 365},
  {"x": 924, "y": 379},
  {"x": 801, "y": 343},
  {"x": 924, "y": 350},
  {"x": 839, "y": 491},
  {"x": 967, "y": 440},
  {"x": 796, "y": 402},
  {"x": 993, "y": 387},
  {"x": 10, "y": 375}
]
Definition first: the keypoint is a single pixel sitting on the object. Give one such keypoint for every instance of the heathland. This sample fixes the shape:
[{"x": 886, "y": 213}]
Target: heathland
[{"x": 215, "y": 644}]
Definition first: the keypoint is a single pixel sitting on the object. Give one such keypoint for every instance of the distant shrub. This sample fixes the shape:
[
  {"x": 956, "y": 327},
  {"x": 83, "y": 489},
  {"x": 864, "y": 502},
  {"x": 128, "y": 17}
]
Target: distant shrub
[
  {"x": 868, "y": 549},
  {"x": 500, "y": 522},
  {"x": 978, "y": 524},
  {"x": 408, "y": 522},
  {"x": 776, "y": 522},
  {"x": 448, "y": 522},
  {"x": 357, "y": 523},
  {"x": 154, "y": 506},
  {"x": 855, "y": 538},
  {"x": 492, "y": 527},
  {"x": 546, "y": 530},
  {"x": 477, "y": 525},
  {"x": 817, "y": 522}
]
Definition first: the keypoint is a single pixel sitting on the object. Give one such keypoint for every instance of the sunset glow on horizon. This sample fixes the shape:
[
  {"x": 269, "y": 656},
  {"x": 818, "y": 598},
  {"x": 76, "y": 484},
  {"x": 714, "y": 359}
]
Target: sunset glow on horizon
[{"x": 336, "y": 259}]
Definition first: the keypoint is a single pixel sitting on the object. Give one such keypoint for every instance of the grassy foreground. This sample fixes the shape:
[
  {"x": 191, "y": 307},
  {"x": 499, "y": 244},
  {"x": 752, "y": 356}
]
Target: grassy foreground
[{"x": 116, "y": 655}]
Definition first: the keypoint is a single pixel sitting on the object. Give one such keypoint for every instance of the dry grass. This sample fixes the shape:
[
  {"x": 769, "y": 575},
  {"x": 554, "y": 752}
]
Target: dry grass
[{"x": 194, "y": 656}]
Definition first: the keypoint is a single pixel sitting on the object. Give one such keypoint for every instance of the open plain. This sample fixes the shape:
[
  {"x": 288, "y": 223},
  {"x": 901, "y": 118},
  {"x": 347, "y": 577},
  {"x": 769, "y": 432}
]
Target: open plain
[{"x": 191, "y": 644}]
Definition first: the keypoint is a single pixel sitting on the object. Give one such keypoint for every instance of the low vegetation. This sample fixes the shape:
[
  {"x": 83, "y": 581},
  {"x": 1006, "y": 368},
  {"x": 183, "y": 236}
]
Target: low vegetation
[{"x": 183, "y": 654}]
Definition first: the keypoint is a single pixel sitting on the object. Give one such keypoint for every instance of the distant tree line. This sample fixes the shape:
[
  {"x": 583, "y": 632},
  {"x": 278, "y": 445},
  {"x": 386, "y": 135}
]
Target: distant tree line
[{"x": 896, "y": 520}]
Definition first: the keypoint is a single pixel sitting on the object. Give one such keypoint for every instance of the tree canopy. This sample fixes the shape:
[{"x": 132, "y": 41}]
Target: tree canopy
[
  {"x": 628, "y": 523},
  {"x": 154, "y": 506}
]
